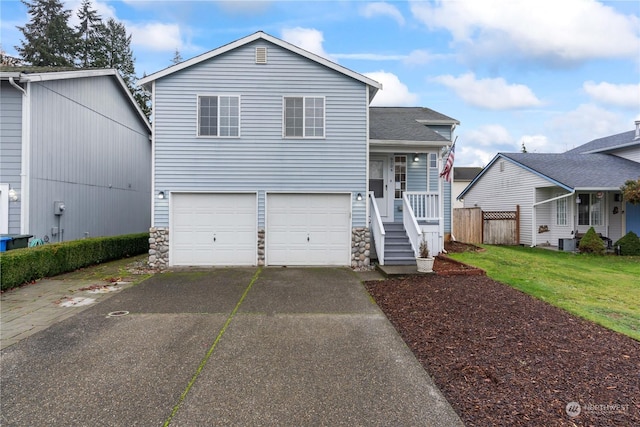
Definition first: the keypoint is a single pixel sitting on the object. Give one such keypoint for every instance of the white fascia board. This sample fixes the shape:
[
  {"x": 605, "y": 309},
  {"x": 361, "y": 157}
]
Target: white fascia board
[
  {"x": 597, "y": 189},
  {"x": 405, "y": 145},
  {"x": 251, "y": 38},
  {"x": 438, "y": 122},
  {"x": 64, "y": 75}
]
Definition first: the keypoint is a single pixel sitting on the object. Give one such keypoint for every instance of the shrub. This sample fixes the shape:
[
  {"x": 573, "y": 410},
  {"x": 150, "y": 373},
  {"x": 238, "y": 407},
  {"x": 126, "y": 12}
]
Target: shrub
[
  {"x": 629, "y": 244},
  {"x": 591, "y": 243},
  {"x": 20, "y": 266}
]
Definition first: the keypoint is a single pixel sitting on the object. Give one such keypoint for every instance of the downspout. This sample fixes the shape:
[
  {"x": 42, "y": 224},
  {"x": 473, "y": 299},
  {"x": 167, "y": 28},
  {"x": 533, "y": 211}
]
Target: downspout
[
  {"x": 26, "y": 155},
  {"x": 153, "y": 155},
  {"x": 533, "y": 213},
  {"x": 367, "y": 218}
]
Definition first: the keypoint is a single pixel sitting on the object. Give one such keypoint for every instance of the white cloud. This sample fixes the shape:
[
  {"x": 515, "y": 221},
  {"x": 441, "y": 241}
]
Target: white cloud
[
  {"x": 104, "y": 10},
  {"x": 495, "y": 94},
  {"x": 622, "y": 95},
  {"x": 308, "y": 39},
  {"x": 538, "y": 144},
  {"x": 156, "y": 36},
  {"x": 382, "y": 9},
  {"x": 394, "y": 93},
  {"x": 584, "y": 124},
  {"x": 560, "y": 31},
  {"x": 489, "y": 135},
  {"x": 245, "y": 7}
]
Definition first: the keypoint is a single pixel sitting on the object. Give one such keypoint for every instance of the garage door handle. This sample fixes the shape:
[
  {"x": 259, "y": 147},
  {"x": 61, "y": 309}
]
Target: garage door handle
[
  {"x": 214, "y": 239},
  {"x": 307, "y": 237}
]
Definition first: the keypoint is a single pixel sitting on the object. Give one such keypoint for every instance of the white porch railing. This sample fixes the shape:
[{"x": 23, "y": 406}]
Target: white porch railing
[
  {"x": 377, "y": 228},
  {"x": 411, "y": 224},
  {"x": 425, "y": 206}
]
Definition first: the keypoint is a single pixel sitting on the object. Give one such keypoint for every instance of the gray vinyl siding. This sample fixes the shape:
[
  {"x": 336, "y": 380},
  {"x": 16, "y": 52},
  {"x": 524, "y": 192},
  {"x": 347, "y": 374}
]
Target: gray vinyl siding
[
  {"x": 11, "y": 148},
  {"x": 502, "y": 191},
  {"x": 443, "y": 130},
  {"x": 90, "y": 149},
  {"x": 632, "y": 153},
  {"x": 260, "y": 159}
]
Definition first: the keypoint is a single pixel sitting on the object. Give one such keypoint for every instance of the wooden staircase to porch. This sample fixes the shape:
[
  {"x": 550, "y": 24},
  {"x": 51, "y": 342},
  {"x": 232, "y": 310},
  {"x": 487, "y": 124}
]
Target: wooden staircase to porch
[{"x": 397, "y": 247}]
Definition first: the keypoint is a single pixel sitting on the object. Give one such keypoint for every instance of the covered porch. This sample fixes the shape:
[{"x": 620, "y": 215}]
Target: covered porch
[{"x": 406, "y": 205}]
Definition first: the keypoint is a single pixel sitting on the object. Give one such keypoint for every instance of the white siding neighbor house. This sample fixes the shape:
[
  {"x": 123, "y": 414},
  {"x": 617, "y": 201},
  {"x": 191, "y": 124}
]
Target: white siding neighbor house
[
  {"x": 562, "y": 195},
  {"x": 264, "y": 154},
  {"x": 75, "y": 155}
]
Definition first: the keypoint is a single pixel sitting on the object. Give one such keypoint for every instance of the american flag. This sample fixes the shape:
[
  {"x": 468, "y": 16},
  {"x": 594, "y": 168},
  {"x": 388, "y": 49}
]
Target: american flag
[{"x": 447, "y": 171}]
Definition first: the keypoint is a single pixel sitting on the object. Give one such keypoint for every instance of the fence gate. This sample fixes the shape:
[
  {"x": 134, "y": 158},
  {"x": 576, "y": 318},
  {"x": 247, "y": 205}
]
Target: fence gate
[
  {"x": 467, "y": 225},
  {"x": 501, "y": 227}
]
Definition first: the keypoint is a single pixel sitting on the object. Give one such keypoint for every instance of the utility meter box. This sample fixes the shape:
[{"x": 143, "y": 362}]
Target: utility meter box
[{"x": 58, "y": 208}]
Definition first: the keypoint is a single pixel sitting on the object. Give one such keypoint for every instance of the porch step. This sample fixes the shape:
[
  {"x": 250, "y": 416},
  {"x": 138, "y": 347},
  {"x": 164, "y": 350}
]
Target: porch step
[{"x": 397, "y": 247}]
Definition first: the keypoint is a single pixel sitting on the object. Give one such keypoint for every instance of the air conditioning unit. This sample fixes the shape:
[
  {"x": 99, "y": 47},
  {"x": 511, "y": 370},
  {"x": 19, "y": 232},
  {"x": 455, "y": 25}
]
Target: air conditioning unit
[{"x": 567, "y": 245}]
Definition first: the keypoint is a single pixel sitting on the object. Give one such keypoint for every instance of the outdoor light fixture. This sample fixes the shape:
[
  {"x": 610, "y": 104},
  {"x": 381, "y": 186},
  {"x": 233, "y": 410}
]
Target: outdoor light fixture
[
  {"x": 161, "y": 195},
  {"x": 359, "y": 197},
  {"x": 416, "y": 158},
  {"x": 13, "y": 195}
]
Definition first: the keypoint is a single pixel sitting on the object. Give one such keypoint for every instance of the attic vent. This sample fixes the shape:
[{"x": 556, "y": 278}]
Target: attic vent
[
  {"x": 261, "y": 55},
  {"x": 501, "y": 166}
]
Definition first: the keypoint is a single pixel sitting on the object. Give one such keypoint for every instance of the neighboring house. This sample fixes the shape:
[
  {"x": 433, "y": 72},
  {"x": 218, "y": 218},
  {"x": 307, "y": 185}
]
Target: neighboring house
[
  {"x": 561, "y": 195},
  {"x": 462, "y": 176},
  {"x": 76, "y": 139},
  {"x": 264, "y": 154}
]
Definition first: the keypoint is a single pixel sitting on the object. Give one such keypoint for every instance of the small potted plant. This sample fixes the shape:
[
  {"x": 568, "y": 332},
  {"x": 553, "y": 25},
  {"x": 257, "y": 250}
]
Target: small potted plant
[{"x": 424, "y": 260}]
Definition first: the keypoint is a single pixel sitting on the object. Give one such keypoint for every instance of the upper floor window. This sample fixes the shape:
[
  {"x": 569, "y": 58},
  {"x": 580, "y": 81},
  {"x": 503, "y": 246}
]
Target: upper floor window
[
  {"x": 219, "y": 115},
  {"x": 304, "y": 117}
]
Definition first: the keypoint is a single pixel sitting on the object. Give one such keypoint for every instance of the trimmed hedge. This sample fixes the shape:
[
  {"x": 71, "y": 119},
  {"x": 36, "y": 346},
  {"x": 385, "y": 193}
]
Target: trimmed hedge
[
  {"x": 629, "y": 244},
  {"x": 20, "y": 266},
  {"x": 591, "y": 243}
]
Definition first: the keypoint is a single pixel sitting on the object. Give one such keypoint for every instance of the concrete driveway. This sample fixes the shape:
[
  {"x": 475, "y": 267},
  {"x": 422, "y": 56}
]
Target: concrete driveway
[{"x": 232, "y": 346}]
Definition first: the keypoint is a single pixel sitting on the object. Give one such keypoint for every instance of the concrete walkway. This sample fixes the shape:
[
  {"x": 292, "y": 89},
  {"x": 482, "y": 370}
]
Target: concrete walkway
[{"x": 233, "y": 346}]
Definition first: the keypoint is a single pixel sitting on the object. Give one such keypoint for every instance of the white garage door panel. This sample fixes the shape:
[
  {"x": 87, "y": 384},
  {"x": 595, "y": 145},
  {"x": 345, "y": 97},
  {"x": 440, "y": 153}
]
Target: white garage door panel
[
  {"x": 213, "y": 229},
  {"x": 308, "y": 229}
]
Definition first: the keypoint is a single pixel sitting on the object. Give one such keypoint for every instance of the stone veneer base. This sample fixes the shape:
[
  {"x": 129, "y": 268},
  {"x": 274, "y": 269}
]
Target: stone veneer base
[{"x": 159, "y": 247}]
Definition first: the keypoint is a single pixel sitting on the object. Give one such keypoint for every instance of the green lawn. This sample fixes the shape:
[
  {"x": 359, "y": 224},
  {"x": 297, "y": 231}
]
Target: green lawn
[{"x": 603, "y": 289}]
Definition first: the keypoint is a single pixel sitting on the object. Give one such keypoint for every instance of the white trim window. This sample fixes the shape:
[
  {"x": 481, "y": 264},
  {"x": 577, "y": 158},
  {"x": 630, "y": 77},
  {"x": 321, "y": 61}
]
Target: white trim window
[
  {"x": 303, "y": 117},
  {"x": 219, "y": 115},
  {"x": 400, "y": 169},
  {"x": 590, "y": 209},
  {"x": 561, "y": 211}
]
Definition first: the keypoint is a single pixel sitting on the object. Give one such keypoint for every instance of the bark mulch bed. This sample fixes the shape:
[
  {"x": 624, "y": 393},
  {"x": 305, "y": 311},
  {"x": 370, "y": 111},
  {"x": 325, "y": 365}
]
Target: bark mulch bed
[{"x": 502, "y": 357}]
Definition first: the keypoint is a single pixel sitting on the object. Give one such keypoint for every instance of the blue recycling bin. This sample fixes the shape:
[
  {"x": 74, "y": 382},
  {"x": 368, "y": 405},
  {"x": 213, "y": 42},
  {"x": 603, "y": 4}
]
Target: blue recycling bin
[
  {"x": 14, "y": 241},
  {"x": 3, "y": 243}
]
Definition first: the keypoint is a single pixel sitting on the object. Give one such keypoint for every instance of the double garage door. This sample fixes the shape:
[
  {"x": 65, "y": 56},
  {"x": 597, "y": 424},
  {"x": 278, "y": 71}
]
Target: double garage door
[{"x": 221, "y": 229}]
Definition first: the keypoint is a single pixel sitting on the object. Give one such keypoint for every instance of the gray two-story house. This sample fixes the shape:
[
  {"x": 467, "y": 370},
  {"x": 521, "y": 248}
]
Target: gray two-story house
[
  {"x": 75, "y": 155},
  {"x": 263, "y": 155}
]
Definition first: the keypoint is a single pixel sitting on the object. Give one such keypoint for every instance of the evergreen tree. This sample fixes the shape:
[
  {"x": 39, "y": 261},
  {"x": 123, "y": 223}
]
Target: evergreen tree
[
  {"x": 88, "y": 32},
  {"x": 177, "y": 58},
  {"x": 48, "y": 39}
]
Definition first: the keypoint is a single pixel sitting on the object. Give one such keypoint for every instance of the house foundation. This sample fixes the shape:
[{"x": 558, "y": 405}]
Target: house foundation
[{"x": 360, "y": 247}]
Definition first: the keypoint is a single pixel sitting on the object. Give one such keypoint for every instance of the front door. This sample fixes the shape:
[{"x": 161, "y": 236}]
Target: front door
[{"x": 379, "y": 184}]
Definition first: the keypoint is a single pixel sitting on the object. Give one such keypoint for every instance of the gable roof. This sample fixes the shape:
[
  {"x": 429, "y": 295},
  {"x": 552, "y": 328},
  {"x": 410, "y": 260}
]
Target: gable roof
[
  {"x": 571, "y": 171},
  {"x": 260, "y": 35},
  {"x": 41, "y": 74},
  {"x": 407, "y": 124},
  {"x": 608, "y": 143}
]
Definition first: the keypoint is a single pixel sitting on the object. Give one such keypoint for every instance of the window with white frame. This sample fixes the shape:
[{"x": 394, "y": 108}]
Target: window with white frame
[
  {"x": 400, "y": 167},
  {"x": 219, "y": 115},
  {"x": 590, "y": 209},
  {"x": 304, "y": 117},
  {"x": 561, "y": 211}
]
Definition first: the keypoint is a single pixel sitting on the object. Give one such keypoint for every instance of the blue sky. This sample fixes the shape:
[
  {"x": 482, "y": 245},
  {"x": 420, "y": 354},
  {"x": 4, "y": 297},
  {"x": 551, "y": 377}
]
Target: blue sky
[{"x": 552, "y": 74}]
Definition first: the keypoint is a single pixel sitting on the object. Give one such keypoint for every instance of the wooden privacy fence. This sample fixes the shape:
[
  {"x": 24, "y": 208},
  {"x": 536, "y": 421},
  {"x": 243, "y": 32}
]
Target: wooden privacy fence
[
  {"x": 472, "y": 225},
  {"x": 467, "y": 225}
]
